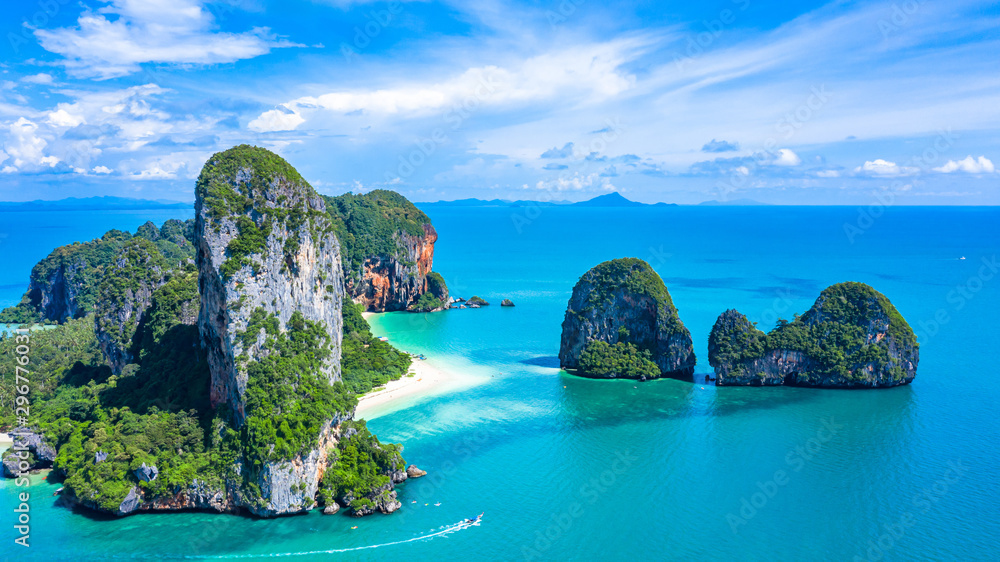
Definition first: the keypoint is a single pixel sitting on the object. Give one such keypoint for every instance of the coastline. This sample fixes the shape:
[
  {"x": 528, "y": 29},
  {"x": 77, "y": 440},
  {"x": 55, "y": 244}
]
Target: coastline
[{"x": 424, "y": 379}]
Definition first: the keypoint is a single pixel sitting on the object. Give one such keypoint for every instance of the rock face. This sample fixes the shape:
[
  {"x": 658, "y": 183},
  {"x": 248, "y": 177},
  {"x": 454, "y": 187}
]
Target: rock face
[
  {"x": 264, "y": 241},
  {"x": 394, "y": 282},
  {"x": 413, "y": 472},
  {"x": 29, "y": 447},
  {"x": 506, "y": 302},
  {"x": 625, "y": 302},
  {"x": 126, "y": 292},
  {"x": 852, "y": 337},
  {"x": 66, "y": 284},
  {"x": 146, "y": 473}
]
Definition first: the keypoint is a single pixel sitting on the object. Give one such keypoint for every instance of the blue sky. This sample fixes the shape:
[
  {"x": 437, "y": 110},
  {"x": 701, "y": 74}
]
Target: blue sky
[{"x": 817, "y": 103}]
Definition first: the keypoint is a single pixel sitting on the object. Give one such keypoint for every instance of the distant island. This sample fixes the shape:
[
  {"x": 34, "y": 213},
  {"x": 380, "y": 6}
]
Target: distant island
[
  {"x": 105, "y": 203},
  {"x": 604, "y": 201}
]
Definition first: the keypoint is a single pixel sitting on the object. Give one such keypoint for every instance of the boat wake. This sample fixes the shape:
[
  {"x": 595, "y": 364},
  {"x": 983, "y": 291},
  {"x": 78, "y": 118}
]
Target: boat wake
[{"x": 443, "y": 531}]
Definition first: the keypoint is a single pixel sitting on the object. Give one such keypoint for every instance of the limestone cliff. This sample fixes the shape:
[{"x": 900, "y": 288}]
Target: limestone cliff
[
  {"x": 264, "y": 242},
  {"x": 388, "y": 248},
  {"x": 621, "y": 322},
  {"x": 67, "y": 282},
  {"x": 126, "y": 291},
  {"x": 852, "y": 337}
]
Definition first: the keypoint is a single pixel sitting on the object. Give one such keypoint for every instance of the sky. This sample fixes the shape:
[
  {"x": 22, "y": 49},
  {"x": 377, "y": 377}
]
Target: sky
[{"x": 818, "y": 103}]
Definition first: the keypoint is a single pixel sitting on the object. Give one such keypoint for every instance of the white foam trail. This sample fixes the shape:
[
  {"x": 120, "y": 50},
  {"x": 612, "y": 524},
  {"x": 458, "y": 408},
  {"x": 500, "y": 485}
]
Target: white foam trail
[{"x": 445, "y": 531}]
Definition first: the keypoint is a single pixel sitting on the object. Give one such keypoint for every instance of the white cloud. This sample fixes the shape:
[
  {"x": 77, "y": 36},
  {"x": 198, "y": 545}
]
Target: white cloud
[
  {"x": 140, "y": 31},
  {"x": 828, "y": 174},
  {"x": 787, "y": 158},
  {"x": 576, "y": 182},
  {"x": 584, "y": 73},
  {"x": 969, "y": 165},
  {"x": 63, "y": 118},
  {"x": 879, "y": 167},
  {"x": 102, "y": 170},
  {"x": 41, "y": 78},
  {"x": 169, "y": 166},
  {"x": 27, "y": 149},
  {"x": 276, "y": 120}
]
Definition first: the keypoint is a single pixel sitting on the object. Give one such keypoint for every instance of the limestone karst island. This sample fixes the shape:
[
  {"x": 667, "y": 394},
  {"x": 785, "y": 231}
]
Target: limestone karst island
[{"x": 499, "y": 280}]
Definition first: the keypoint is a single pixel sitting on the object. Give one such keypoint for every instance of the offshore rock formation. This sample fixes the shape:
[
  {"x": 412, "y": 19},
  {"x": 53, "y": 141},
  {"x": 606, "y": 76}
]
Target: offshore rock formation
[
  {"x": 388, "y": 249},
  {"x": 265, "y": 242},
  {"x": 622, "y": 323},
  {"x": 30, "y": 448},
  {"x": 852, "y": 337}
]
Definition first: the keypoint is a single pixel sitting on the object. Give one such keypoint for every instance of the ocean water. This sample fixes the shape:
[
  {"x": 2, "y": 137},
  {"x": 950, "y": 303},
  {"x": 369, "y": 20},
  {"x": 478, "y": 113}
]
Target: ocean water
[{"x": 574, "y": 469}]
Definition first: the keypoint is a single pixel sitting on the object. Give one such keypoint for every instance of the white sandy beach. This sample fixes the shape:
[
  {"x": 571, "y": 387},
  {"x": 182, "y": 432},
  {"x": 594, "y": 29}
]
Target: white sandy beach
[{"x": 425, "y": 378}]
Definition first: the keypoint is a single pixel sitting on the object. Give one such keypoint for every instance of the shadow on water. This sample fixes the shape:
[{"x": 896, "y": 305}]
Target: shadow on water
[{"x": 544, "y": 361}]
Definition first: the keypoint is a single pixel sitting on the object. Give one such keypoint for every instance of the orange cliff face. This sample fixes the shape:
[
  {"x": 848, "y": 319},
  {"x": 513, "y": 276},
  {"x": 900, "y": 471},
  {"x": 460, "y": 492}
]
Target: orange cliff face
[{"x": 390, "y": 283}]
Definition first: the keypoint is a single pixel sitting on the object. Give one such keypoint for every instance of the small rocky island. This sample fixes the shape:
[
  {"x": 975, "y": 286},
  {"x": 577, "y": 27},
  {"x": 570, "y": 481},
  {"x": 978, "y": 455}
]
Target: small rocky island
[
  {"x": 622, "y": 323},
  {"x": 852, "y": 337}
]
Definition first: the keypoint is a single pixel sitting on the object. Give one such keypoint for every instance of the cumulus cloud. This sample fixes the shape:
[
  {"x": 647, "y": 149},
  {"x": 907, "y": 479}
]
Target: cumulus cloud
[
  {"x": 969, "y": 165},
  {"x": 565, "y": 152},
  {"x": 786, "y": 157},
  {"x": 720, "y": 146},
  {"x": 141, "y": 31},
  {"x": 276, "y": 120},
  {"x": 102, "y": 170},
  {"x": 884, "y": 168},
  {"x": 25, "y": 148}
]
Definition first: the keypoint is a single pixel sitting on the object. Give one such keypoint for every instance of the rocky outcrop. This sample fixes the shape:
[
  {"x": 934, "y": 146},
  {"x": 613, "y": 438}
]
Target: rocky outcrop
[
  {"x": 413, "y": 472},
  {"x": 30, "y": 451},
  {"x": 266, "y": 249},
  {"x": 394, "y": 282},
  {"x": 126, "y": 292},
  {"x": 624, "y": 304},
  {"x": 67, "y": 282},
  {"x": 506, "y": 302},
  {"x": 852, "y": 337},
  {"x": 290, "y": 486},
  {"x": 146, "y": 473},
  {"x": 264, "y": 242}
]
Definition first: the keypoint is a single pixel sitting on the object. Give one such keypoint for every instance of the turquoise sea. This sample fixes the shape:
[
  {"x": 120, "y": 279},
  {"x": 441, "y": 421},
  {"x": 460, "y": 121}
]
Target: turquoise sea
[{"x": 573, "y": 469}]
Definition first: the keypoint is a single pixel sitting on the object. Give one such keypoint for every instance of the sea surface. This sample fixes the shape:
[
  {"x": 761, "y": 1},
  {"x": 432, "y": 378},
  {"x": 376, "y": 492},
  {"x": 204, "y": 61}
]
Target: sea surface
[{"x": 573, "y": 469}]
